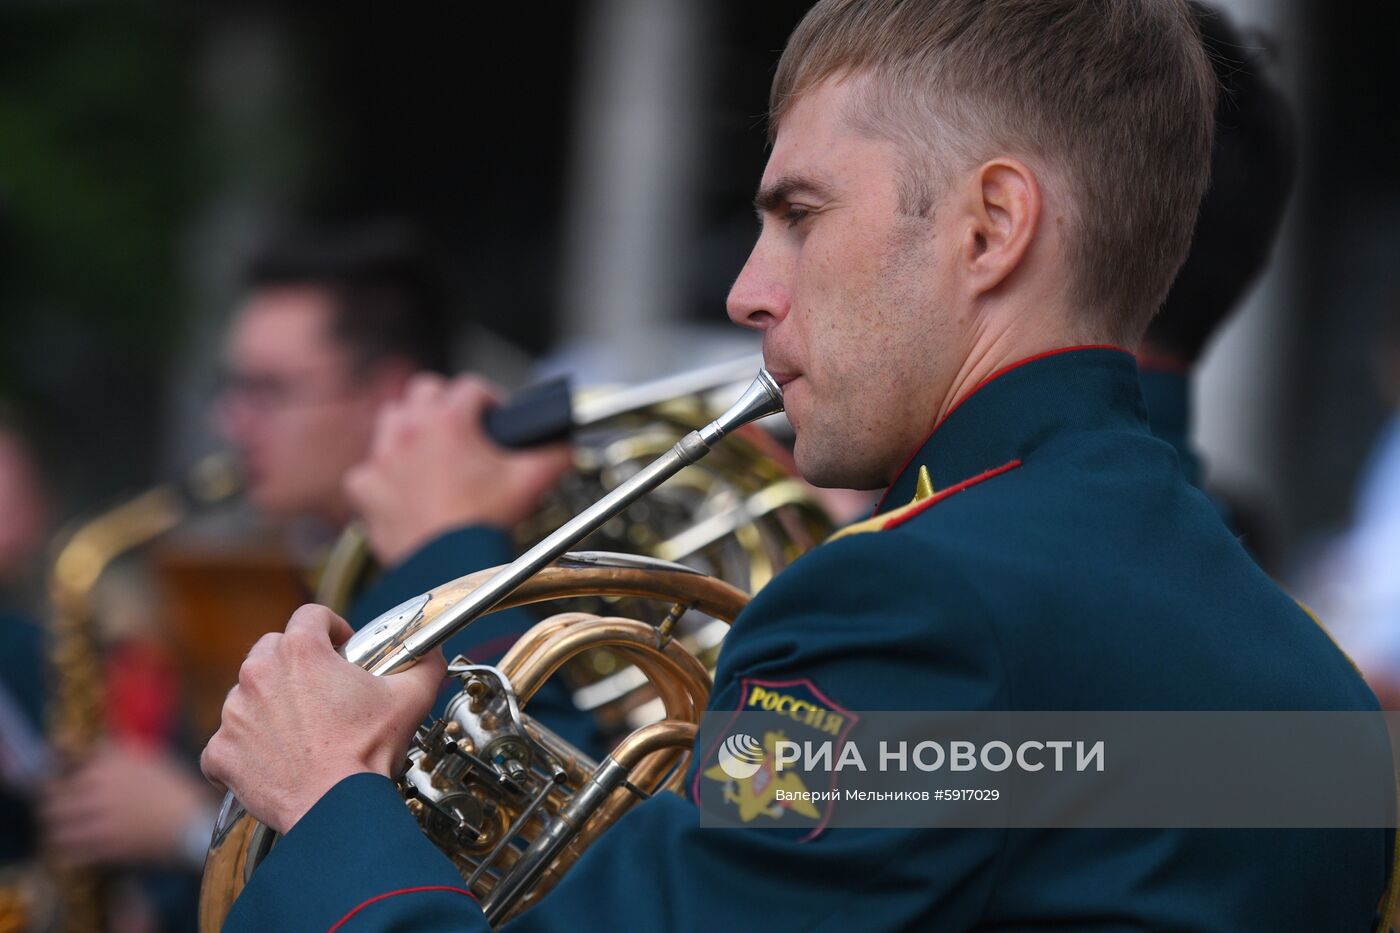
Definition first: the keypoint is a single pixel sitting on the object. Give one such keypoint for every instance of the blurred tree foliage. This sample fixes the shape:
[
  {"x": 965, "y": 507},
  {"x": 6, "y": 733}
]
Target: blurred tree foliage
[{"x": 94, "y": 181}]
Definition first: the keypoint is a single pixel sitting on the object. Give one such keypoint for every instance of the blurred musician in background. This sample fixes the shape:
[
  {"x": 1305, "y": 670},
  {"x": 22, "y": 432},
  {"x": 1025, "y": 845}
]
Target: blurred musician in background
[
  {"x": 333, "y": 325},
  {"x": 25, "y": 517},
  {"x": 336, "y": 323},
  {"x": 25, "y": 526},
  {"x": 1251, "y": 176}
]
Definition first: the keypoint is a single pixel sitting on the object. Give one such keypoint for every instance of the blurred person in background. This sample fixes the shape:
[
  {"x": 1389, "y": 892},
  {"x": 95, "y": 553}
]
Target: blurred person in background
[
  {"x": 333, "y": 324},
  {"x": 336, "y": 323},
  {"x": 335, "y": 330},
  {"x": 25, "y": 517},
  {"x": 25, "y": 526},
  {"x": 1253, "y": 163}
]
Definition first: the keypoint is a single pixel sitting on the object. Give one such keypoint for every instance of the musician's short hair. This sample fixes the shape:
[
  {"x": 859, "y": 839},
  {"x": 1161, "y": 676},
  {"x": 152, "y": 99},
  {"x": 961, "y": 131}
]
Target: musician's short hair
[
  {"x": 388, "y": 300},
  {"x": 1110, "y": 101}
]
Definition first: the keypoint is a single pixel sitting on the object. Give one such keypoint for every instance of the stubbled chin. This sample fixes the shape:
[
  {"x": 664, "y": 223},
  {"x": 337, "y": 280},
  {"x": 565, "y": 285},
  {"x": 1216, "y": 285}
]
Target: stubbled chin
[
  {"x": 814, "y": 460},
  {"x": 792, "y": 403},
  {"x": 834, "y": 463}
]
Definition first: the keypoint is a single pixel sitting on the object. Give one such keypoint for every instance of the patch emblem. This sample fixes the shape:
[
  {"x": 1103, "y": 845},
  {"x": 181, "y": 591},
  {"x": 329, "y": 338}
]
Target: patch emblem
[{"x": 739, "y": 778}]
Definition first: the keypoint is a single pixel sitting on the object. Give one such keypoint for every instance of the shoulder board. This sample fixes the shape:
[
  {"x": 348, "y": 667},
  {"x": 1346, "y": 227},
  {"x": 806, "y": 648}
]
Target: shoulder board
[{"x": 925, "y": 497}]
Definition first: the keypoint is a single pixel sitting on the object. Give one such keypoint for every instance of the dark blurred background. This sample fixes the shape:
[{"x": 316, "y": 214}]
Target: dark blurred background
[{"x": 586, "y": 169}]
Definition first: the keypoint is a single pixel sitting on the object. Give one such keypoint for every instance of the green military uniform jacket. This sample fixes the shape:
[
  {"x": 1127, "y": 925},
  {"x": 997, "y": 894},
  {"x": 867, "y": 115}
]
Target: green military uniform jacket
[
  {"x": 1167, "y": 393},
  {"x": 1062, "y": 563}
]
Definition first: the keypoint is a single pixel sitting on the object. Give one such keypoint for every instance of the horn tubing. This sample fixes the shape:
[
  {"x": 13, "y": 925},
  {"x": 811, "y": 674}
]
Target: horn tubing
[
  {"x": 761, "y": 399},
  {"x": 592, "y": 408}
]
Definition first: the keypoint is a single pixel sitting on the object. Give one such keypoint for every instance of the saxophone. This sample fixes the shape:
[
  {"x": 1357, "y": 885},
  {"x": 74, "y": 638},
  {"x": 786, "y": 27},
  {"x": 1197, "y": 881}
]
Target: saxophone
[{"x": 76, "y": 709}]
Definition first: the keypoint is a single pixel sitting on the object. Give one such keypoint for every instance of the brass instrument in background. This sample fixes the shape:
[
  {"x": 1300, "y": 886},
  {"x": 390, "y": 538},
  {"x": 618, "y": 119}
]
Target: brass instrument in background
[
  {"x": 512, "y": 804},
  {"x": 740, "y": 515},
  {"x": 75, "y": 710}
]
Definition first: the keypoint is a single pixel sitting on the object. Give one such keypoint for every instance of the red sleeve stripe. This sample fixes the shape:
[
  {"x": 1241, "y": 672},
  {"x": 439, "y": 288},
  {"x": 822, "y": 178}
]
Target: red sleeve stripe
[
  {"x": 374, "y": 900},
  {"x": 908, "y": 513}
]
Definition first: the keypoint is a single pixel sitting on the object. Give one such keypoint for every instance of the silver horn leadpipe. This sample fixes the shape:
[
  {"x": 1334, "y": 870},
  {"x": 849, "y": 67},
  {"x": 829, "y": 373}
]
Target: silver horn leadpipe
[{"x": 398, "y": 638}]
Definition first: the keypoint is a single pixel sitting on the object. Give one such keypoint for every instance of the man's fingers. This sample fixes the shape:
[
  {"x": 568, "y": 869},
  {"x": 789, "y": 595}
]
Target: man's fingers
[
  {"x": 91, "y": 843},
  {"x": 61, "y": 809},
  {"x": 265, "y": 644},
  {"x": 78, "y": 845},
  {"x": 395, "y": 426},
  {"x": 315, "y": 620},
  {"x": 547, "y": 463},
  {"x": 84, "y": 784},
  {"x": 74, "y": 828},
  {"x": 361, "y": 486},
  {"x": 423, "y": 387},
  {"x": 418, "y": 685},
  {"x": 430, "y": 669},
  {"x": 214, "y": 782},
  {"x": 211, "y": 763},
  {"x": 468, "y": 397}
]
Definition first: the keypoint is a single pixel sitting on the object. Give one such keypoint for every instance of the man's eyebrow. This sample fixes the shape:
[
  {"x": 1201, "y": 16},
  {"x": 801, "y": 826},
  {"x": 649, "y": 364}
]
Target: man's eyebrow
[{"x": 774, "y": 196}]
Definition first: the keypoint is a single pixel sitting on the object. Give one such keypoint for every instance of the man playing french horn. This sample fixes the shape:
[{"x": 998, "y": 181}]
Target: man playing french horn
[{"x": 970, "y": 206}]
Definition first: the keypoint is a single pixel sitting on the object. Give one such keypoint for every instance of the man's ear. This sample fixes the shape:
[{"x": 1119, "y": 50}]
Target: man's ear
[{"x": 1005, "y": 205}]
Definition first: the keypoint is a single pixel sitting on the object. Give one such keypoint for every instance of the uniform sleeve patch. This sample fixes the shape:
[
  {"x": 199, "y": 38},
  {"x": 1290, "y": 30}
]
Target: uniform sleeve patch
[{"x": 737, "y": 779}]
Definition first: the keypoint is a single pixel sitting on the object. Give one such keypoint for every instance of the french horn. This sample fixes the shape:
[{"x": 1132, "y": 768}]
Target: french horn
[
  {"x": 512, "y": 804},
  {"x": 741, "y": 515}
]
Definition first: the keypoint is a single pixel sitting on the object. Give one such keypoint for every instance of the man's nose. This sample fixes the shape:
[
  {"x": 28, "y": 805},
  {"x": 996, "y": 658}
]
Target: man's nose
[{"x": 759, "y": 298}]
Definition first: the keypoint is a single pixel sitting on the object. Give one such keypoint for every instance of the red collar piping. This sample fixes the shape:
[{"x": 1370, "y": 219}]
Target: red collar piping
[
  {"x": 931, "y": 501},
  {"x": 880, "y": 506},
  {"x": 1150, "y": 361}
]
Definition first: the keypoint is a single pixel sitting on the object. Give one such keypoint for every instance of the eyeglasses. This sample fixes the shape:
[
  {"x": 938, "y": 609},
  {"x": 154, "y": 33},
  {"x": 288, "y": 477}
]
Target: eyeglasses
[{"x": 264, "y": 393}]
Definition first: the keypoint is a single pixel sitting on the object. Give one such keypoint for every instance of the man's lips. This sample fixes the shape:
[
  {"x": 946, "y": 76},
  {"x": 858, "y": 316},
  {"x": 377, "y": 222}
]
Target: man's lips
[{"x": 782, "y": 378}]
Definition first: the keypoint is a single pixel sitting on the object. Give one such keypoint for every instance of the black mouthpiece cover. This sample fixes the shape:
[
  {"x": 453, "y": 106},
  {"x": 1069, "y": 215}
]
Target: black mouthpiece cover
[{"x": 535, "y": 415}]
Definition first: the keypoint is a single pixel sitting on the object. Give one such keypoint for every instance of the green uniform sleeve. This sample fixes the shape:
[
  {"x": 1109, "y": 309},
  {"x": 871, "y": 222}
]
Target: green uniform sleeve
[
  {"x": 355, "y": 861},
  {"x": 860, "y": 619}
]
